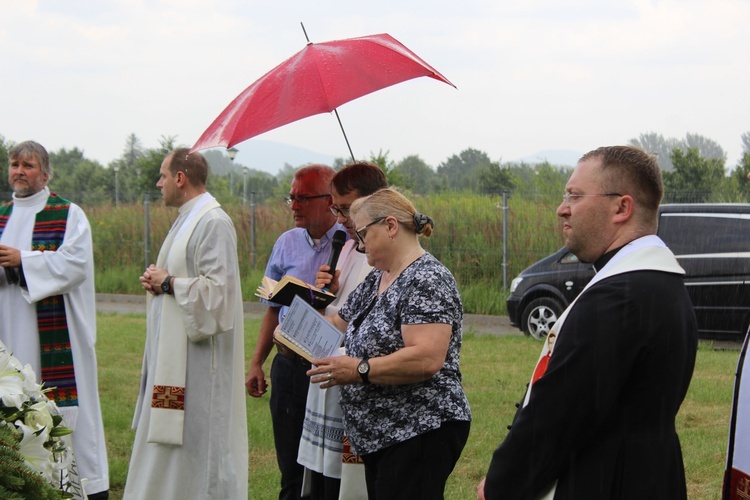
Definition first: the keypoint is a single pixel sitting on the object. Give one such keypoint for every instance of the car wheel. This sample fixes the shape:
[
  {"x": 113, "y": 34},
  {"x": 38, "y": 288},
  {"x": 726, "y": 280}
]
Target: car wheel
[{"x": 540, "y": 316}]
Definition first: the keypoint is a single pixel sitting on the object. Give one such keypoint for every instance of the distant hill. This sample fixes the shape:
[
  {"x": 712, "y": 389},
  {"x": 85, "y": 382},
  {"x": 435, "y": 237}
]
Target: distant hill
[
  {"x": 556, "y": 157},
  {"x": 272, "y": 156}
]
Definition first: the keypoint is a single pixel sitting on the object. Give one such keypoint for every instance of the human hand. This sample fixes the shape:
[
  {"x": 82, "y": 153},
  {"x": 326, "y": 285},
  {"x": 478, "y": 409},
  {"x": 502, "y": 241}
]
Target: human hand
[
  {"x": 324, "y": 279},
  {"x": 480, "y": 489},
  {"x": 145, "y": 280},
  {"x": 9, "y": 256},
  {"x": 152, "y": 279},
  {"x": 335, "y": 370},
  {"x": 256, "y": 384}
]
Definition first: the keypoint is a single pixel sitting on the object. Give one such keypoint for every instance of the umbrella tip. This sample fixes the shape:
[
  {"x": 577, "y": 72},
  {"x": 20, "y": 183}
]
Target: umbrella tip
[{"x": 305, "y": 32}]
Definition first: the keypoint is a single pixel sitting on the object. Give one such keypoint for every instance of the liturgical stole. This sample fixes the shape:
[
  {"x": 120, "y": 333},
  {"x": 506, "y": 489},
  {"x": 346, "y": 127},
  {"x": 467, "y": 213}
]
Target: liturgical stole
[
  {"x": 58, "y": 372},
  {"x": 644, "y": 254},
  {"x": 168, "y": 393}
]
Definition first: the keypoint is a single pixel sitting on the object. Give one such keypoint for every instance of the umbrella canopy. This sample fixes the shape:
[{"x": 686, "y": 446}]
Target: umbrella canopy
[{"x": 317, "y": 79}]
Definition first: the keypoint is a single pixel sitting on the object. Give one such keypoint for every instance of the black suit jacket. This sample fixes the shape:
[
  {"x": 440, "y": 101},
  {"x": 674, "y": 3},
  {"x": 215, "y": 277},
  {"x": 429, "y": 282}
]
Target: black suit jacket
[{"x": 601, "y": 419}]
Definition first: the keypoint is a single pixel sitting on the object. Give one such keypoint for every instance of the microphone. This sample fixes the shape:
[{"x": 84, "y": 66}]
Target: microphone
[{"x": 337, "y": 243}]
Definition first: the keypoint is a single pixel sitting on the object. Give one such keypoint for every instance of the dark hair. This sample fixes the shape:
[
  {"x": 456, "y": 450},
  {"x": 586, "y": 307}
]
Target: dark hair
[
  {"x": 630, "y": 170},
  {"x": 193, "y": 165},
  {"x": 363, "y": 177},
  {"x": 32, "y": 148}
]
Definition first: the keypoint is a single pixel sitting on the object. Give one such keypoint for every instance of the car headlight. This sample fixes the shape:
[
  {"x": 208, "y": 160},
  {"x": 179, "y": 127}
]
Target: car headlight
[{"x": 514, "y": 284}]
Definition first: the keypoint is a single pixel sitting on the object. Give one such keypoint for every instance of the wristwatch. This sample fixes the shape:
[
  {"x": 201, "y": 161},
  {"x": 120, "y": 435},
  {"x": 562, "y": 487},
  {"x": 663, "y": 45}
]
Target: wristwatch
[
  {"x": 166, "y": 285},
  {"x": 363, "y": 368}
]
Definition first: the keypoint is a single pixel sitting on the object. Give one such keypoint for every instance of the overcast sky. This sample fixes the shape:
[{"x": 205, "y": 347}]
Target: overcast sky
[{"x": 531, "y": 76}]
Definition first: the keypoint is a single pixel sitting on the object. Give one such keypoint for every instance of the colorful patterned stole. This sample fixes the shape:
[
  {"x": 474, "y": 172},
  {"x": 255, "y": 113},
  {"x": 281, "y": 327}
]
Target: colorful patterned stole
[{"x": 54, "y": 339}]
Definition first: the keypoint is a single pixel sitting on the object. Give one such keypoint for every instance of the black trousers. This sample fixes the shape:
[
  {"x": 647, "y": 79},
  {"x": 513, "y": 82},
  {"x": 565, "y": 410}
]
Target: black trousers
[
  {"x": 289, "y": 386},
  {"x": 417, "y": 468},
  {"x": 323, "y": 487}
]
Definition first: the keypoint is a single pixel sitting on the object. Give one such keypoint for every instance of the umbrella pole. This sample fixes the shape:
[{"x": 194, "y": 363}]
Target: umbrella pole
[
  {"x": 343, "y": 132},
  {"x": 334, "y": 109}
]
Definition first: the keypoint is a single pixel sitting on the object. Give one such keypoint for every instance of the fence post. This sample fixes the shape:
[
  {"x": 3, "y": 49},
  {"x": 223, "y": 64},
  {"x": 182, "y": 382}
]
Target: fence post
[
  {"x": 252, "y": 229},
  {"x": 146, "y": 229},
  {"x": 505, "y": 240}
]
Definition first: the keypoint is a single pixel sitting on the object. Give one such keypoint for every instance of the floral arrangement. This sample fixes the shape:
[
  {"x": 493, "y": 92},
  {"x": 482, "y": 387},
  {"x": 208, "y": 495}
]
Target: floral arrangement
[{"x": 34, "y": 461}]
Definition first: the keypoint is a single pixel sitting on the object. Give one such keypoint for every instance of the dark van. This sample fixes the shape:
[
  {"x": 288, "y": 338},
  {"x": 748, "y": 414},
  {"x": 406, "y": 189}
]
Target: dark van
[{"x": 712, "y": 244}]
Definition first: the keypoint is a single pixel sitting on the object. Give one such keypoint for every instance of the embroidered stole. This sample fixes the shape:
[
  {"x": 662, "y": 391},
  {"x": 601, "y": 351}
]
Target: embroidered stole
[
  {"x": 58, "y": 371},
  {"x": 168, "y": 394},
  {"x": 648, "y": 253}
]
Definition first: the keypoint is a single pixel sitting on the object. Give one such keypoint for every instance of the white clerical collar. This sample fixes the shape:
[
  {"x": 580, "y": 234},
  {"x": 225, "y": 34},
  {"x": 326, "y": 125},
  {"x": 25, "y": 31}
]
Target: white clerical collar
[
  {"x": 33, "y": 200},
  {"x": 191, "y": 208}
]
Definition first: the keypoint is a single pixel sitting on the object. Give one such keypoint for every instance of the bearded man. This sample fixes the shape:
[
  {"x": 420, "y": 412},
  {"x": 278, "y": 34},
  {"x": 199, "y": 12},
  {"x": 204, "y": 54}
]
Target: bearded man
[{"x": 48, "y": 303}]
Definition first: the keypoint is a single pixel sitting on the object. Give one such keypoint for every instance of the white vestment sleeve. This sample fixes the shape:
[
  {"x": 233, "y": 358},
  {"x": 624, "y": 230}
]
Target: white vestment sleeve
[
  {"x": 57, "y": 273},
  {"x": 208, "y": 301}
]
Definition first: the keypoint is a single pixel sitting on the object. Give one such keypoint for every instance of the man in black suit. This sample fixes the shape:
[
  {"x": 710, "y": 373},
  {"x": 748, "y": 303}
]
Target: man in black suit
[{"x": 598, "y": 419}]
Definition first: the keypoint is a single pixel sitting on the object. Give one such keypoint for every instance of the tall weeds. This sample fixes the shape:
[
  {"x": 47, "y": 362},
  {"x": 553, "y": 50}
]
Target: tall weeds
[{"x": 468, "y": 239}]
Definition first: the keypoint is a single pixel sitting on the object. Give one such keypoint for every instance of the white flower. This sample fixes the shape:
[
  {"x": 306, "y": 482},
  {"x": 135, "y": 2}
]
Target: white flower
[
  {"x": 30, "y": 386},
  {"x": 33, "y": 451},
  {"x": 11, "y": 383},
  {"x": 11, "y": 360},
  {"x": 51, "y": 407},
  {"x": 28, "y": 411},
  {"x": 38, "y": 417}
]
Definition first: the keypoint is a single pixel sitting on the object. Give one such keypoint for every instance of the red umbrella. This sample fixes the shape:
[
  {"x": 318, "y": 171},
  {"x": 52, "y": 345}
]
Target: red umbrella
[{"x": 317, "y": 79}]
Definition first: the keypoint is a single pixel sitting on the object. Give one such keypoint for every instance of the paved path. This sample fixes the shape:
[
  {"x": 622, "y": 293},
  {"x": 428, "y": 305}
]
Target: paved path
[
  {"x": 478, "y": 324},
  {"x": 136, "y": 304}
]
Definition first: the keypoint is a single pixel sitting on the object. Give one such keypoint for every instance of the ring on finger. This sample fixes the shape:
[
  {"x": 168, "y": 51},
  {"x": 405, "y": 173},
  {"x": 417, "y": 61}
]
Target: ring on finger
[{"x": 329, "y": 375}]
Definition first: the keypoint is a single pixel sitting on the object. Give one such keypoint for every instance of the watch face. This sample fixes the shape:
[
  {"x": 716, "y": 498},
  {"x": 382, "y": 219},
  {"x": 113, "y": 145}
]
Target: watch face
[
  {"x": 363, "y": 367},
  {"x": 165, "y": 285}
]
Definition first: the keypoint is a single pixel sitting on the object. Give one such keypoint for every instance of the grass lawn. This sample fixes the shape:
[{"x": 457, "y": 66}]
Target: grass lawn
[{"x": 495, "y": 370}]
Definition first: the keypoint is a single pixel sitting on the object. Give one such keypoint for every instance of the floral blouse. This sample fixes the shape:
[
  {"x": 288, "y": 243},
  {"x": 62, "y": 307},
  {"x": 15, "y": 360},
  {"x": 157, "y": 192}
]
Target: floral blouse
[{"x": 378, "y": 416}]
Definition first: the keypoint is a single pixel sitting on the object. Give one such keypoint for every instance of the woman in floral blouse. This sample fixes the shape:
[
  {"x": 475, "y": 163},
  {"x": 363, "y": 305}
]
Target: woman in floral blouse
[{"x": 405, "y": 411}]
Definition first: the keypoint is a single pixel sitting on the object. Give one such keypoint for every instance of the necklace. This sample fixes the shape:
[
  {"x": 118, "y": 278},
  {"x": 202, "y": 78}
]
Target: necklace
[{"x": 391, "y": 279}]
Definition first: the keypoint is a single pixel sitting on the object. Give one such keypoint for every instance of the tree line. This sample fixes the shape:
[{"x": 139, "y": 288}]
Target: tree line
[{"x": 694, "y": 170}]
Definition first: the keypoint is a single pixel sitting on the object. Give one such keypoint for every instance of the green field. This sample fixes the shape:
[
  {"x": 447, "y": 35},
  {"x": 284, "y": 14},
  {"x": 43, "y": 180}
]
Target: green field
[{"x": 495, "y": 369}]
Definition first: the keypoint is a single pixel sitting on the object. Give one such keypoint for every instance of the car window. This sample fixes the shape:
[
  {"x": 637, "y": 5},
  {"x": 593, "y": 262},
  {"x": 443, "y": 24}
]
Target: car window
[
  {"x": 569, "y": 258},
  {"x": 705, "y": 233}
]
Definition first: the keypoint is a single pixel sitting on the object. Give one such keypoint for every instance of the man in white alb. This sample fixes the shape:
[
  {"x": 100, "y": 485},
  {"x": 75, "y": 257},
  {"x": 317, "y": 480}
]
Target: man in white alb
[
  {"x": 48, "y": 261},
  {"x": 191, "y": 437}
]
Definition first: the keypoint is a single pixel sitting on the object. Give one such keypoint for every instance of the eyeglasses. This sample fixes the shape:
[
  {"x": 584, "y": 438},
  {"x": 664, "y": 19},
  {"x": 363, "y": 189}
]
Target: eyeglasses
[
  {"x": 362, "y": 231},
  {"x": 302, "y": 200},
  {"x": 568, "y": 196},
  {"x": 336, "y": 211}
]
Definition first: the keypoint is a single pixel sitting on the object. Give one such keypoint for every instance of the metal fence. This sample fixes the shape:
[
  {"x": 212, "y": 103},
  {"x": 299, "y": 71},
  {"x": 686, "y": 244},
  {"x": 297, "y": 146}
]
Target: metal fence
[{"x": 490, "y": 244}]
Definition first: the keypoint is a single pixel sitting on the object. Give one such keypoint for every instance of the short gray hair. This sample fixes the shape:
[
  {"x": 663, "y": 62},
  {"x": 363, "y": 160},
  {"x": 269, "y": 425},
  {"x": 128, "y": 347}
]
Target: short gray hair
[{"x": 32, "y": 148}]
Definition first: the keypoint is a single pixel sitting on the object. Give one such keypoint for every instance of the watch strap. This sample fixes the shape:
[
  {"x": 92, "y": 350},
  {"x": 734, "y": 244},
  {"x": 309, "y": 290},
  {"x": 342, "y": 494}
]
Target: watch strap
[
  {"x": 166, "y": 285},
  {"x": 364, "y": 375}
]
